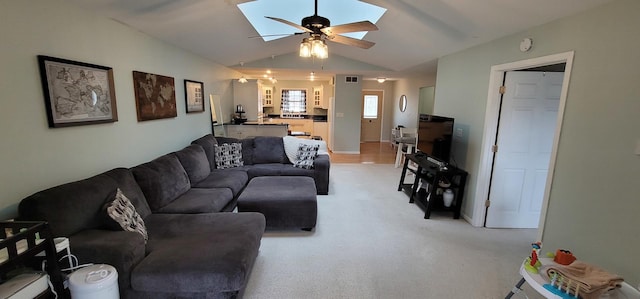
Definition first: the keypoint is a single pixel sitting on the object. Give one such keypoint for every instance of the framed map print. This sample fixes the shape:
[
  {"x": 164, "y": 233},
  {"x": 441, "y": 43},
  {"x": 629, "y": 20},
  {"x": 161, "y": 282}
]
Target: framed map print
[
  {"x": 155, "y": 96},
  {"x": 77, "y": 93},
  {"x": 194, "y": 96}
]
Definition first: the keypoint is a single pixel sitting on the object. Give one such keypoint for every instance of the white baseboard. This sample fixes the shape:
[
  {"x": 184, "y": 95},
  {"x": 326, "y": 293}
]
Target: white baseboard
[{"x": 469, "y": 219}]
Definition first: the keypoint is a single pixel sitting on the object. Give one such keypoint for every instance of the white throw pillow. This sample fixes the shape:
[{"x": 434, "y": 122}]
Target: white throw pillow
[{"x": 291, "y": 145}]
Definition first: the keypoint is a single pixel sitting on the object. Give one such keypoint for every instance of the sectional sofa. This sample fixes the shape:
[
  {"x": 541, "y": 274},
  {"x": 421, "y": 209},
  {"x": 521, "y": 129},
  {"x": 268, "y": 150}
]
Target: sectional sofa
[{"x": 182, "y": 239}]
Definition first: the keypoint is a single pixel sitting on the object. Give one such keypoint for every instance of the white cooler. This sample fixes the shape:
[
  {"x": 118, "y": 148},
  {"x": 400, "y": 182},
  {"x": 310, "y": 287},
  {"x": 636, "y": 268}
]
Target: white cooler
[{"x": 94, "y": 282}]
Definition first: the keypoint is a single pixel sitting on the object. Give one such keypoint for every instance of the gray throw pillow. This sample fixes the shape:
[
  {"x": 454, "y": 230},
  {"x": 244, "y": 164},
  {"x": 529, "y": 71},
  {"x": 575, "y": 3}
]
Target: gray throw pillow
[
  {"x": 306, "y": 155},
  {"x": 122, "y": 212},
  {"x": 228, "y": 155}
]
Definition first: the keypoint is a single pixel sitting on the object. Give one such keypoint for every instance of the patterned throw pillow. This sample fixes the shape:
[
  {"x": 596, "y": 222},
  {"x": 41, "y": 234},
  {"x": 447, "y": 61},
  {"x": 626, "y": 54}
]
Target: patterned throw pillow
[
  {"x": 122, "y": 211},
  {"x": 306, "y": 155},
  {"x": 228, "y": 155}
]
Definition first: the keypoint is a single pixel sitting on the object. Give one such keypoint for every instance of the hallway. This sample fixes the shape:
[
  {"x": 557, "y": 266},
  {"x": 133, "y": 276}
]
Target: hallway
[{"x": 370, "y": 153}]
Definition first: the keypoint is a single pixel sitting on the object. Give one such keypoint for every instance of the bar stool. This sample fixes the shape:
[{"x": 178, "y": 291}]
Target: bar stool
[{"x": 407, "y": 137}]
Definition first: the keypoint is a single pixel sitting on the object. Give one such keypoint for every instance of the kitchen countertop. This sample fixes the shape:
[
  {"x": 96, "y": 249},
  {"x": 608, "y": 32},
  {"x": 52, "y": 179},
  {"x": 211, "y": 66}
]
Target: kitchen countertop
[
  {"x": 255, "y": 123},
  {"x": 315, "y": 118}
]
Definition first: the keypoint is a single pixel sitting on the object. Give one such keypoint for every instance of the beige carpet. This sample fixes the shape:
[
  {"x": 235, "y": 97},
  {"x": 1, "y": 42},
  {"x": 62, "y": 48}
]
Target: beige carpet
[{"x": 371, "y": 243}]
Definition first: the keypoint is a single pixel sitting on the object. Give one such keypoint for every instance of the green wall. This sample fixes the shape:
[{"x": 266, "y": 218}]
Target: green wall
[
  {"x": 427, "y": 100},
  {"x": 594, "y": 201},
  {"x": 346, "y": 115},
  {"x": 32, "y": 155}
]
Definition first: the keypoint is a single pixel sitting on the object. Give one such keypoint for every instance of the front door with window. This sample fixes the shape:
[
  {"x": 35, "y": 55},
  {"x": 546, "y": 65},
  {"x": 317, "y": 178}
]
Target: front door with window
[{"x": 371, "y": 122}]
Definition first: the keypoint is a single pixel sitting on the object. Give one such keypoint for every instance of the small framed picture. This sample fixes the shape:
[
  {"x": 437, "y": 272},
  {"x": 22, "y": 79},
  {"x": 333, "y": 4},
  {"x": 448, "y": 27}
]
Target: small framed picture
[
  {"x": 194, "y": 96},
  {"x": 77, "y": 93}
]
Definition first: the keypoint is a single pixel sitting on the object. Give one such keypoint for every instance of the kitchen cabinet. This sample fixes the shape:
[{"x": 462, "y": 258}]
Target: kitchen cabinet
[
  {"x": 321, "y": 129},
  {"x": 299, "y": 124},
  {"x": 318, "y": 97},
  {"x": 251, "y": 130},
  {"x": 267, "y": 95}
]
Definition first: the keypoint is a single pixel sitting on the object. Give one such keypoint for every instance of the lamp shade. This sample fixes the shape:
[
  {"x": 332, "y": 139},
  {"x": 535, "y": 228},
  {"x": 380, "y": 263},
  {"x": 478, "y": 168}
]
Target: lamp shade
[{"x": 305, "y": 48}]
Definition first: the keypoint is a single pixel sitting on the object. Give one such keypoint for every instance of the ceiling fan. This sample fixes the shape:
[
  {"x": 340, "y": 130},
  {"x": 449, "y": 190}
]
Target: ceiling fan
[{"x": 319, "y": 28}]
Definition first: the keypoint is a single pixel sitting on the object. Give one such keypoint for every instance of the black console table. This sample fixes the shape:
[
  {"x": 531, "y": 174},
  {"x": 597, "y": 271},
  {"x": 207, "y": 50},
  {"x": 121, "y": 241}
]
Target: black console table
[{"x": 432, "y": 173}]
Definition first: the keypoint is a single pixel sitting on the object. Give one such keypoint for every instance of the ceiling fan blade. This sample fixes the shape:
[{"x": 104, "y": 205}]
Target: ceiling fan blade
[
  {"x": 289, "y": 23},
  {"x": 351, "y": 27},
  {"x": 365, "y": 44},
  {"x": 282, "y": 34}
]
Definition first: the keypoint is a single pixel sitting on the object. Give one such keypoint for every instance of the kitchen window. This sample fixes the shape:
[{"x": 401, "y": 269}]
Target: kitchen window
[{"x": 294, "y": 101}]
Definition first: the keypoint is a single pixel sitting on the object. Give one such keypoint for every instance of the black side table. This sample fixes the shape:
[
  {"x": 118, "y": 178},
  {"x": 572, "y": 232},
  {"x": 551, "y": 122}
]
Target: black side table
[{"x": 432, "y": 174}]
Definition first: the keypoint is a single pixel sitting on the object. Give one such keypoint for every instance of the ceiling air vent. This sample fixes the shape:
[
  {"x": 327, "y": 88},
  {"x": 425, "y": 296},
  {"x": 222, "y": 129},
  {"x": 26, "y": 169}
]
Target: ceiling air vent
[{"x": 351, "y": 79}]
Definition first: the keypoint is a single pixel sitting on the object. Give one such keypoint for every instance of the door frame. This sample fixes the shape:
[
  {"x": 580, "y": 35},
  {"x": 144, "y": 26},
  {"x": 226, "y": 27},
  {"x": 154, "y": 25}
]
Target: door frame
[
  {"x": 382, "y": 110},
  {"x": 491, "y": 126}
]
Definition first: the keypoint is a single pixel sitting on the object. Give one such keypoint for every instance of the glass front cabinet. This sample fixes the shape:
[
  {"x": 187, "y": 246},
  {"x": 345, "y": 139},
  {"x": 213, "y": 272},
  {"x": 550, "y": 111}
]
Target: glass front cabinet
[
  {"x": 267, "y": 96},
  {"x": 318, "y": 97}
]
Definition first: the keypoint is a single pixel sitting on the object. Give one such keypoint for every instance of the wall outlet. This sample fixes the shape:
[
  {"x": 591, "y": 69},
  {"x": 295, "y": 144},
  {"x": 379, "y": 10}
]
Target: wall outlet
[
  {"x": 459, "y": 132},
  {"x": 339, "y": 114}
]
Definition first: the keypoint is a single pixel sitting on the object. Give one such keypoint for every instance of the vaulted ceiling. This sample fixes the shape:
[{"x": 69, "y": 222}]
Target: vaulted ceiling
[{"x": 412, "y": 34}]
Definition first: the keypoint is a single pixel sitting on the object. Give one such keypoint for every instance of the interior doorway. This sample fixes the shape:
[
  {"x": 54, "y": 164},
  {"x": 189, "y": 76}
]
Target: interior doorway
[
  {"x": 490, "y": 131},
  {"x": 371, "y": 118},
  {"x": 526, "y": 125}
]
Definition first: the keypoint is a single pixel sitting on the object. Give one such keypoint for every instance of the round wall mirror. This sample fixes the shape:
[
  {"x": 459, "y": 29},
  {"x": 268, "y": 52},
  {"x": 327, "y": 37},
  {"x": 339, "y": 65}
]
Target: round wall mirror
[{"x": 403, "y": 103}]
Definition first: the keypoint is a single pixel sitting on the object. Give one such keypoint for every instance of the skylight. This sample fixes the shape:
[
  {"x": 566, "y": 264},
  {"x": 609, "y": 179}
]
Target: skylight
[{"x": 337, "y": 11}]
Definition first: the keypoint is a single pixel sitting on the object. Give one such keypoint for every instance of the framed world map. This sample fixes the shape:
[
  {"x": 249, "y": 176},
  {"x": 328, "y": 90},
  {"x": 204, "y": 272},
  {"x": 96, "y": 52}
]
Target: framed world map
[
  {"x": 155, "y": 96},
  {"x": 77, "y": 93}
]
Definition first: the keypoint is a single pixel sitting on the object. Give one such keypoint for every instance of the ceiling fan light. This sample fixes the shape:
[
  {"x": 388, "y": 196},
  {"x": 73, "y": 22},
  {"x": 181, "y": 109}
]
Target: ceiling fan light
[
  {"x": 305, "y": 48},
  {"x": 243, "y": 80},
  {"x": 319, "y": 49},
  {"x": 324, "y": 52},
  {"x": 381, "y": 79}
]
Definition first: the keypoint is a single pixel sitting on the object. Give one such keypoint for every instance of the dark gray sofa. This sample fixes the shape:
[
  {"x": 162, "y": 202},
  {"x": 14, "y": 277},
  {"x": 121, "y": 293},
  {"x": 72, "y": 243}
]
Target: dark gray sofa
[
  {"x": 196, "y": 248},
  {"x": 207, "y": 255},
  {"x": 265, "y": 156}
]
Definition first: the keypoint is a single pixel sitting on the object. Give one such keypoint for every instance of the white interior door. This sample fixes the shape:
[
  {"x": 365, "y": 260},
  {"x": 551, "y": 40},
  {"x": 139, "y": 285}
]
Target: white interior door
[{"x": 524, "y": 143}]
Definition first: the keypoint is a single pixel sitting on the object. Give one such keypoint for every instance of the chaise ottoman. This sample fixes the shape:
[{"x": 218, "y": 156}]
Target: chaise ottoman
[{"x": 285, "y": 201}]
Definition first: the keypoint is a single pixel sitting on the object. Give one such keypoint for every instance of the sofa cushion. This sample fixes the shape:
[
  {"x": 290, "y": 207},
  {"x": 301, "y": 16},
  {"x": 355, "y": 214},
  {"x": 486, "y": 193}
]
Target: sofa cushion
[
  {"x": 306, "y": 155},
  {"x": 268, "y": 149},
  {"x": 71, "y": 207},
  {"x": 207, "y": 142},
  {"x": 199, "y": 200},
  {"x": 273, "y": 169},
  {"x": 195, "y": 163},
  {"x": 228, "y": 155},
  {"x": 227, "y": 178},
  {"x": 229, "y": 243},
  {"x": 162, "y": 180},
  {"x": 123, "y": 214},
  {"x": 247, "y": 151},
  {"x": 121, "y": 249}
]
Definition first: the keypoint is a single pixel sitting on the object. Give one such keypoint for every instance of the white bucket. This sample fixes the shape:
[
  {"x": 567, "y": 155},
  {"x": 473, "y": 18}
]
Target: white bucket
[{"x": 94, "y": 282}]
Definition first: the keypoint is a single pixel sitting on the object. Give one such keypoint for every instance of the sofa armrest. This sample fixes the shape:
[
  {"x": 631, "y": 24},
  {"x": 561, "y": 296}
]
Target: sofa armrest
[
  {"x": 321, "y": 173},
  {"x": 120, "y": 249}
]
